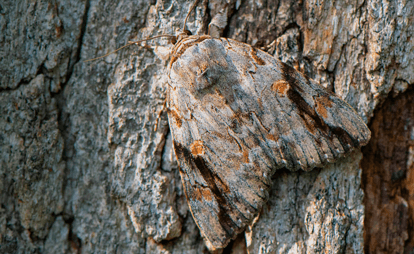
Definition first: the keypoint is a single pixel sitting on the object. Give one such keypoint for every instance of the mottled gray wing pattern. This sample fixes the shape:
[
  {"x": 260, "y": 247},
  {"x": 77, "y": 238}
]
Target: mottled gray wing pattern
[{"x": 237, "y": 115}]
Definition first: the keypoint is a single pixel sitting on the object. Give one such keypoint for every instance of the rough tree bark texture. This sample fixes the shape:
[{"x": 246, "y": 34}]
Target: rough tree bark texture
[{"x": 84, "y": 171}]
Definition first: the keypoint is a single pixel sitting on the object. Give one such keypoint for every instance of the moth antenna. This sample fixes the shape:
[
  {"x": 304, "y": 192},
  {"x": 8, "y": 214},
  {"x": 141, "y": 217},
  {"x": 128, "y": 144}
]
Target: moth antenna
[
  {"x": 129, "y": 44},
  {"x": 189, "y": 12}
]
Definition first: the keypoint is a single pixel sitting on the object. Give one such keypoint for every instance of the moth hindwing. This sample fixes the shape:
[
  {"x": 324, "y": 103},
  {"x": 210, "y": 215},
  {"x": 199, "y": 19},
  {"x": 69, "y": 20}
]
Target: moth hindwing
[{"x": 237, "y": 115}]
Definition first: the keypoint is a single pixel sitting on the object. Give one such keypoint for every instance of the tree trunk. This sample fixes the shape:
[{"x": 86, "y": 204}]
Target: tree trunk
[{"x": 86, "y": 160}]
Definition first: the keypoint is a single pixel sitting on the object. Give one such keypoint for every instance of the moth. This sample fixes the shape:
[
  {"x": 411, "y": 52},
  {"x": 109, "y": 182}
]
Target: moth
[{"x": 237, "y": 115}]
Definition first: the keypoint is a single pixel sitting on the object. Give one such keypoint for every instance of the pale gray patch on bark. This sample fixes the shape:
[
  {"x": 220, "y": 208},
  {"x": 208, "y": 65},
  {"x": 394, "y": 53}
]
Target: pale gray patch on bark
[
  {"x": 31, "y": 166},
  {"x": 57, "y": 239}
]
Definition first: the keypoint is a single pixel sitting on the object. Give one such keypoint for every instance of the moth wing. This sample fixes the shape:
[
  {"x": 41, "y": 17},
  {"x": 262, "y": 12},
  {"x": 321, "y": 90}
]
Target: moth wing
[
  {"x": 220, "y": 208},
  {"x": 236, "y": 115}
]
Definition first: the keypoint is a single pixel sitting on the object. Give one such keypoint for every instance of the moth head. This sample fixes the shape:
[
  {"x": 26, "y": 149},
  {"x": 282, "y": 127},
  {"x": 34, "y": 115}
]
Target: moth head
[{"x": 181, "y": 36}]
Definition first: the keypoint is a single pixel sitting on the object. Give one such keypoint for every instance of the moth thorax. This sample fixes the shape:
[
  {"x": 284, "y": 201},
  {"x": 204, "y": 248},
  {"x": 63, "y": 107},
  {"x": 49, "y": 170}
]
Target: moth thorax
[{"x": 182, "y": 35}]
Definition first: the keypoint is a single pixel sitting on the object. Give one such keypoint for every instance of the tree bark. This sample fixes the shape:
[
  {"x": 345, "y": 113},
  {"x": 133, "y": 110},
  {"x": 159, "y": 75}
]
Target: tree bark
[{"x": 85, "y": 170}]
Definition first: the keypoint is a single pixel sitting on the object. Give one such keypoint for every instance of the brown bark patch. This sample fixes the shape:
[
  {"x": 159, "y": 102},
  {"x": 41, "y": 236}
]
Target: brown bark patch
[{"x": 388, "y": 178}]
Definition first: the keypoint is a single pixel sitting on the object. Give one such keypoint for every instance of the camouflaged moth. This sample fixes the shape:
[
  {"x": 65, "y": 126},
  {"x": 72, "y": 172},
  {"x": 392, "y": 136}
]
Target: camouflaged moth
[{"x": 237, "y": 115}]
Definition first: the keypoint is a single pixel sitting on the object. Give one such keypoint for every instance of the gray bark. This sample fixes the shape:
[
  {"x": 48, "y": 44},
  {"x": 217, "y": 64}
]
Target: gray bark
[{"x": 83, "y": 169}]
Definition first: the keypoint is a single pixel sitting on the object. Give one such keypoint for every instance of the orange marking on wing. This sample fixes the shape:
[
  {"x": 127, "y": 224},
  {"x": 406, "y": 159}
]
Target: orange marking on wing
[
  {"x": 309, "y": 123},
  {"x": 197, "y": 148},
  {"x": 280, "y": 87},
  {"x": 321, "y": 104},
  {"x": 207, "y": 195},
  {"x": 256, "y": 58},
  {"x": 272, "y": 137},
  {"x": 260, "y": 102},
  {"x": 246, "y": 156},
  {"x": 321, "y": 109},
  {"x": 173, "y": 113},
  {"x": 197, "y": 194}
]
